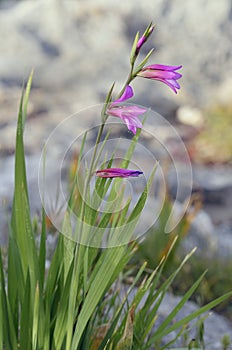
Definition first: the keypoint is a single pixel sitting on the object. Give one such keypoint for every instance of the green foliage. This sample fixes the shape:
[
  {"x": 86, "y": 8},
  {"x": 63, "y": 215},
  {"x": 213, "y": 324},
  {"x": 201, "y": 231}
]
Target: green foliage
[
  {"x": 226, "y": 342},
  {"x": 156, "y": 244},
  {"x": 76, "y": 304},
  {"x": 217, "y": 280}
]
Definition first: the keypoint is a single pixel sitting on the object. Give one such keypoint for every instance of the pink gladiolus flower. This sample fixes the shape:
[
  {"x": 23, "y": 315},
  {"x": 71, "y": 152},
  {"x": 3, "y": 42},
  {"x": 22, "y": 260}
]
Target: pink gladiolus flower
[
  {"x": 143, "y": 39},
  {"x": 128, "y": 114},
  {"x": 118, "y": 172},
  {"x": 166, "y": 74}
]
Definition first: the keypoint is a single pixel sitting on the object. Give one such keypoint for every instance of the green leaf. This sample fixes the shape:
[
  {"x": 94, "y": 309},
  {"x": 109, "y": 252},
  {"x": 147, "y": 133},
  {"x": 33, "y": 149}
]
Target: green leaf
[
  {"x": 118, "y": 312},
  {"x": 54, "y": 272},
  {"x": 26, "y": 318},
  {"x": 107, "y": 101},
  {"x": 15, "y": 273},
  {"x": 133, "y": 50},
  {"x": 142, "y": 199},
  {"x": 190, "y": 317},
  {"x": 8, "y": 330},
  {"x": 35, "y": 324},
  {"x": 68, "y": 244},
  {"x": 130, "y": 151},
  {"x": 62, "y": 314},
  {"x": 127, "y": 338},
  {"x": 97, "y": 289},
  {"x": 26, "y": 98},
  {"x": 21, "y": 221},
  {"x": 72, "y": 199},
  {"x": 180, "y": 305},
  {"x": 42, "y": 251},
  {"x": 75, "y": 288},
  {"x": 142, "y": 64}
]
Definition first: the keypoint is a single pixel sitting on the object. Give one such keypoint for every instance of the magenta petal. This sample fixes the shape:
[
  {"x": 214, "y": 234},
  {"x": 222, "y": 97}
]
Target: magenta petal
[
  {"x": 140, "y": 42},
  {"x": 129, "y": 115},
  {"x": 159, "y": 74},
  {"x": 174, "y": 83},
  {"x": 128, "y": 93},
  {"x": 132, "y": 123},
  {"x": 171, "y": 83},
  {"x": 117, "y": 172},
  {"x": 131, "y": 111},
  {"x": 163, "y": 67},
  {"x": 163, "y": 73},
  {"x": 144, "y": 38}
]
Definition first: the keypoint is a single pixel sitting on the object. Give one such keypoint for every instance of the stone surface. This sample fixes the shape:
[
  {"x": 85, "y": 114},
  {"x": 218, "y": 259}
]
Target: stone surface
[
  {"x": 67, "y": 52},
  {"x": 202, "y": 235}
]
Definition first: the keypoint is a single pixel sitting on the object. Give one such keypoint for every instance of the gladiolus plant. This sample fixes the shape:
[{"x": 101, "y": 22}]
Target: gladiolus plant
[{"x": 82, "y": 296}]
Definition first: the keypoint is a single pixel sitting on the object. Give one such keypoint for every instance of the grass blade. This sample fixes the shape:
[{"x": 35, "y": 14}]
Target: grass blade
[
  {"x": 26, "y": 318},
  {"x": 21, "y": 221},
  {"x": 96, "y": 291}
]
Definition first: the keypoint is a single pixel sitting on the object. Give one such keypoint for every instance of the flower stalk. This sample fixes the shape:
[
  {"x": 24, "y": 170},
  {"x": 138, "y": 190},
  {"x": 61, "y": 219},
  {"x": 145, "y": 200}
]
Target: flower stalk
[{"x": 129, "y": 114}]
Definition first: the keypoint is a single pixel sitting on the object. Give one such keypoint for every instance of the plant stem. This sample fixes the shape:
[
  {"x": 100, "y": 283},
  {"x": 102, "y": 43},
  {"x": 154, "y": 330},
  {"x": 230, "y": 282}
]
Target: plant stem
[
  {"x": 129, "y": 79},
  {"x": 83, "y": 206}
]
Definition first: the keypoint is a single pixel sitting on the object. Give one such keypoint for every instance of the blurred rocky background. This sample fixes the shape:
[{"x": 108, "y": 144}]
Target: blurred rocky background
[{"x": 78, "y": 48}]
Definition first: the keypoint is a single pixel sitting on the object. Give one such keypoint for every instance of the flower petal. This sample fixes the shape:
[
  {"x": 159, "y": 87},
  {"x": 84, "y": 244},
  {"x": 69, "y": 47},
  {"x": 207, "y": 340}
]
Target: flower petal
[
  {"x": 171, "y": 83},
  {"x": 144, "y": 37},
  {"x": 129, "y": 115},
  {"x": 163, "y": 67},
  {"x": 128, "y": 93},
  {"x": 117, "y": 172},
  {"x": 163, "y": 73},
  {"x": 159, "y": 74},
  {"x": 132, "y": 123}
]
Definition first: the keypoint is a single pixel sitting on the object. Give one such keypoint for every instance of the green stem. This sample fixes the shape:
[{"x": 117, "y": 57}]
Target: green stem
[
  {"x": 77, "y": 253},
  {"x": 131, "y": 77},
  {"x": 83, "y": 206}
]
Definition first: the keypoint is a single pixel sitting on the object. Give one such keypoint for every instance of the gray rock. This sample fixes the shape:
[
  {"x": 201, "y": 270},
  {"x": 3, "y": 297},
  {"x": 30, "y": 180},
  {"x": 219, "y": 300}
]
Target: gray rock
[
  {"x": 224, "y": 249},
  {"x": 214, "y": 182},
  {"x": 213, "y": 178},
  {"x": 67, "y": 51},
  {"x": 212, "y": 242},
  {"x": 202, "y": 235}
]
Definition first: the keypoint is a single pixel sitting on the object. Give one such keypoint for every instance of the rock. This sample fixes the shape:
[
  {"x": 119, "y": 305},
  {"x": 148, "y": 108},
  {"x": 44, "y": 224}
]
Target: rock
[
  {"x": 224, "y": 248},
  {"x": 213, "y": 242},
  {"x": 60, "y": 44},
  {"x": 213, "y": 178},
  {"x": 213, "y": 183},
  {"x": 202, "y": 234}
]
